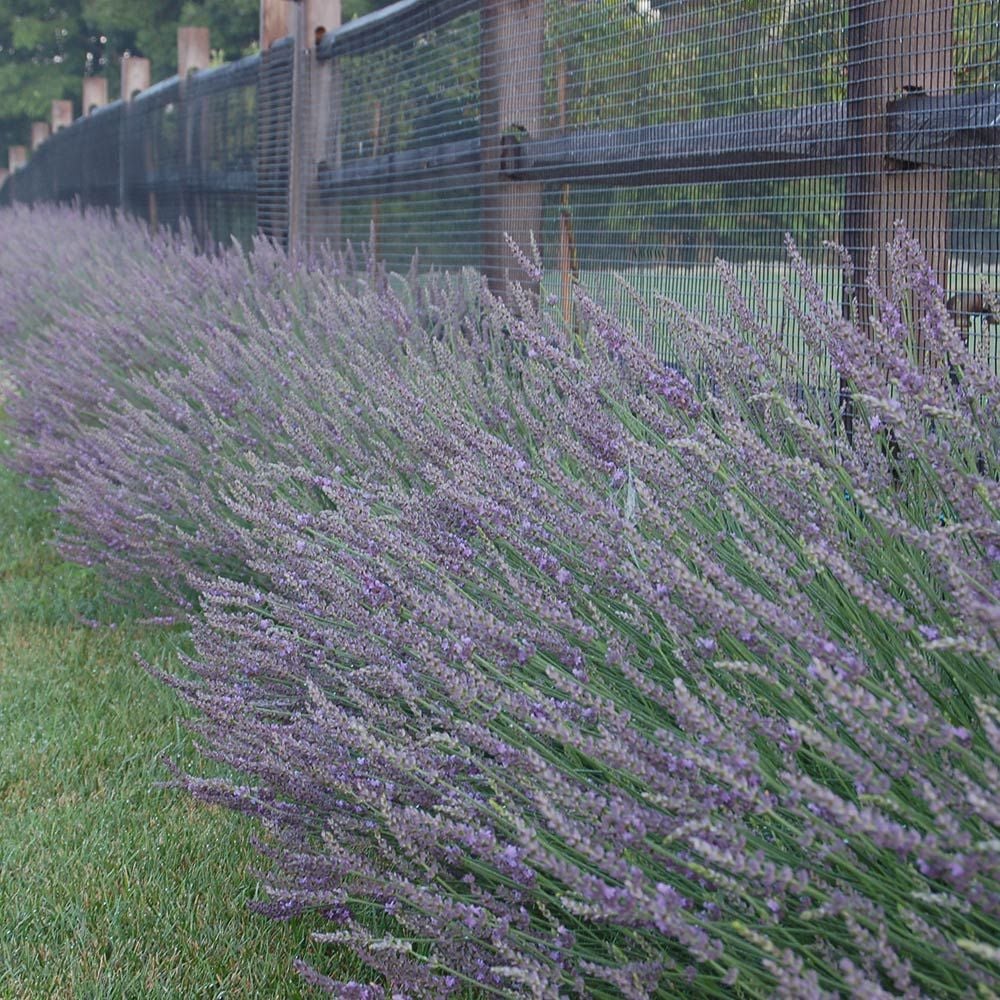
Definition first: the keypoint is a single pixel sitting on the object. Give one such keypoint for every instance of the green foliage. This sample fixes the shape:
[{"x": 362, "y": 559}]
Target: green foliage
[
  {"x": 358, "y": 8},
  {"x": 46, "y": 50},
  {"x": 120, "y": 890}
]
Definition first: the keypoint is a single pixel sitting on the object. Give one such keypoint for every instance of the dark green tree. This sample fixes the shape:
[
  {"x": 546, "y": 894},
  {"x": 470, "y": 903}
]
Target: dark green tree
[{"x": 46, "y": 47}]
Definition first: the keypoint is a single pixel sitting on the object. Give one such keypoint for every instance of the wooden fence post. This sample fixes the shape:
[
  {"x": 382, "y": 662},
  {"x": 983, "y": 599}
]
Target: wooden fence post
[
  {"x": 275, "y": 21},
  {"x": 135, "y": 79},
  {"x": 40, "y": 131},
  {"x": 135, "y": 76},
  {"x": 895, "y": 47},
  {"x": 299, "y": 124},
  {"x": 512, "y": 49},
  {"x": 321, "y": 222},
  {"x": 95, "y": 93},
  {"x": 194, "y": 51},
  {"x": 62, "y": 114},
  {"x": 17, "y": 157},
  {"x": 321, "y": 16},
  {"x": 309, "y": 112}
]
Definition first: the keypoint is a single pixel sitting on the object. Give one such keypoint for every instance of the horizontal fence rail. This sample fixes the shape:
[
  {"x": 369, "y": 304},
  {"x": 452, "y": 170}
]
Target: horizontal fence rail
[{"x": 633, "y": 140}]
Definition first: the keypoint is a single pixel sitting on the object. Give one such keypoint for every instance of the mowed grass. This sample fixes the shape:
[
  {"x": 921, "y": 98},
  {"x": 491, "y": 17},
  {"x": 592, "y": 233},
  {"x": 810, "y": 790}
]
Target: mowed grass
[
  {"x": 700, "y": 289},
  {"x": 109, "y": 886}
]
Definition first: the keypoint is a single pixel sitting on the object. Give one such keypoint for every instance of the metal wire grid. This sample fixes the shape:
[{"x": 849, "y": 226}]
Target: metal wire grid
[
  {"x": 629, "y": 139},
  {"x": 99, "y": 151},
  {"x": 642, "y": 140},
  {"x": 274, "y": 109},
  {"x": 220, "y": 151},
  {"x": 399, "y": 167},
  {"x": 182, "y": 150},
  {"x": 153, "y": 187},
  {"x": 190, "y": 153}
]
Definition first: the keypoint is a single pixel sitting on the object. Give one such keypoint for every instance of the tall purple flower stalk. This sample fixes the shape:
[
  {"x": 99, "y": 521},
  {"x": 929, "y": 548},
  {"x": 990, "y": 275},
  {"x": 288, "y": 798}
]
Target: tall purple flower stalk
[{"x": 551, "y": 670}]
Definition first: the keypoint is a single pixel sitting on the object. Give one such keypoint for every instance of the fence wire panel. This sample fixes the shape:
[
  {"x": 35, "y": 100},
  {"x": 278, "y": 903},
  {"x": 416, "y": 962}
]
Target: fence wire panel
[
  {"x": 274, "y": 107},
  {"x": 182, "y": 151},
  {"x": 399, "y": 171},
  {"x": 220, "y": 151},
  {"x": 744, "y": 121},
  {"x": 100, "y": 157},
  {"x": 154, "y": 164},
  {"x": 626, "y": 142},
  {"x": 190, "y": 150}
]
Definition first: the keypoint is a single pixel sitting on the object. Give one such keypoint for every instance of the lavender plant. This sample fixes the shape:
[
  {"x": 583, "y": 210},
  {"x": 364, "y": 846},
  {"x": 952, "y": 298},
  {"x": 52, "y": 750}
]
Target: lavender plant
[{"x": 552, "y": 674}]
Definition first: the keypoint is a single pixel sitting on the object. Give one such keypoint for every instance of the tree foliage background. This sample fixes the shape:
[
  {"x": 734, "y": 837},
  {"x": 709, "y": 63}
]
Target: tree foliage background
[{"x": 46, "y": 47}]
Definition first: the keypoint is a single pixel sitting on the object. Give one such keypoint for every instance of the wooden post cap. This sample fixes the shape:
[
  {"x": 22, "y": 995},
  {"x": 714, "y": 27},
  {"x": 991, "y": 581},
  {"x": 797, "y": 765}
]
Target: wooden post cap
[
  {"x": 135, "y": 76},
  {"x": 62, "y": 114},
  {"x": 39, "y": 133},
  {"x": 95, "y": 93},
  {"x": 193, "y": 50},
  {"x": 276, "y": 21}
]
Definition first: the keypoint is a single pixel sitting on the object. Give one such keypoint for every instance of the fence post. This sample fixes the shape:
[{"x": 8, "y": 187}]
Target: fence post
[
  {"x": 273, "y": 120},
  {"x": 135, "y": 76},
  {"x": 17, "y": 157},
  {"x": 309, "y": 112},
  {"x": 95, "y": 93},
  {"x": 135, "y": 79},
  {"x": 194, "y": 51},
  {"x": 321, "y": 124},
  {"x": 895, "y": 47},
  {"x": 62, "y": 114},
  {"x": 275, "y": 21},
  {"x": 511, "y": 87},
  {"x": 299, "y": 123},
  {"x": 39, "y": 133}
]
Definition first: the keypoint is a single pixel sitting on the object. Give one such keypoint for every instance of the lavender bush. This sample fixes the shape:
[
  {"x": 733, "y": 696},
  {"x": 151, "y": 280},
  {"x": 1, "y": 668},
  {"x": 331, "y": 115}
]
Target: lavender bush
[{"x": 550, "y": 674}]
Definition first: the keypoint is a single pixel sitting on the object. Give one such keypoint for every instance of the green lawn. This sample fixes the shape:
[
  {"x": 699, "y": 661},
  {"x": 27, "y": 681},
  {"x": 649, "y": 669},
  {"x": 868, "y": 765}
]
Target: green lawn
[
  {"x": 699, "y": 288},
  {"x": 109, "y": 887}
]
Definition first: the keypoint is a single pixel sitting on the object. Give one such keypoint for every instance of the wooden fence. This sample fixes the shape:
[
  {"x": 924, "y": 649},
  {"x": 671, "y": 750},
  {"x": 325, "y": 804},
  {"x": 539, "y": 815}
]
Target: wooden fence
[{"x": 616, "y": 135}]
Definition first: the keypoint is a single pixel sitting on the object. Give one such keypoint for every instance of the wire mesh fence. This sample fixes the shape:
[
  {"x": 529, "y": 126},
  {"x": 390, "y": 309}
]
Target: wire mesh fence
[
  {"x": 181, "y": 150},
  {"x": 633, "y": 140}
]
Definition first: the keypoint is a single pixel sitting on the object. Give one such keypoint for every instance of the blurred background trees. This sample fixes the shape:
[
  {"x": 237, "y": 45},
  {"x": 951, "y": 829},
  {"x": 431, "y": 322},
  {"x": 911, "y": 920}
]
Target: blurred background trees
[{"x": 47, "y": 46}]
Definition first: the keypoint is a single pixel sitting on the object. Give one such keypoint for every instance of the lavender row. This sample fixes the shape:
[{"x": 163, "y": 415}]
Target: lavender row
[{"x": 551, "y": 670}]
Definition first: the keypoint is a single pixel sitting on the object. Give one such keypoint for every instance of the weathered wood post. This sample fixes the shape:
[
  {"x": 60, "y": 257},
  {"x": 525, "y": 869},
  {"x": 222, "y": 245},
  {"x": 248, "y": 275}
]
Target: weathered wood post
[
  {"x": 135, "y": 76},
  {"x": 135, "y": 79},
  {"x": 273, "y": 133},
  {"x": 62, "y": 117},
  {"x": 308, "y": 113},
  {"x": 17, "y": 157},
  {"x": 895, "y": 48},
  {"x": 307, "y": 121},
  {"x": 568, "y": 266},
  {"x": 62, "y": 114},
  {"x": 40, "y": 131},
  {"x": 95, "y": 93},
  {"x": 194, "y": 53},
  {"x": 322, "y": 224},
  {"x": 275, "y": 21},
  {"x": 512, "y": 48}
]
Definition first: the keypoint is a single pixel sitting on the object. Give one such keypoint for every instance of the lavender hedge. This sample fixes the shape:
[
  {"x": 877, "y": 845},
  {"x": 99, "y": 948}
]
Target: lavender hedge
[{"x": 551, "y": 671}]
